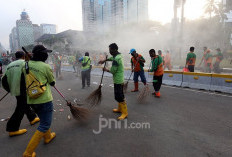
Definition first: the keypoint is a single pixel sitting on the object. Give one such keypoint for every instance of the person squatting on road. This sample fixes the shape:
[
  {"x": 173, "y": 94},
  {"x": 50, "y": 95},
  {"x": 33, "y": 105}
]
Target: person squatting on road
[
  {"x": 191, "y": 60},
  {"x": 137, "y": 64},
  {"x": 117, "y": 70},
  {"x": 42, "y": 105},
  {"x": 157, "y": 68},
  {"x": 13, "y": 81},
  {"x": 85, "y": 69}
]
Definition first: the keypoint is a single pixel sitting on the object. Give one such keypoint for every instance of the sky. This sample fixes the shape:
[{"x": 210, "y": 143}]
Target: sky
[{"x": 67, "y": 14}]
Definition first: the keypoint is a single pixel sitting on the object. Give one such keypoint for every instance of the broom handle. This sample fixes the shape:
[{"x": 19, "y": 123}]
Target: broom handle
[
  {"x": 133, "y": 70},
  {"x": 25, "y": 50},
  {"x": 103, "y": 71},
  {"x": 4, "y": 96},
  {"x": 60, "y": 94}
]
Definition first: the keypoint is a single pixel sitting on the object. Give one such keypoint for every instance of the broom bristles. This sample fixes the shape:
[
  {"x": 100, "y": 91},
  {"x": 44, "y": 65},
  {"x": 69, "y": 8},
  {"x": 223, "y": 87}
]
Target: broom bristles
[
  {"x": 143, "y": 94},
  {"x": 95, "y": 97},
  {"x": 79, "y": 113},
  {"x": 125, "y": 86}
]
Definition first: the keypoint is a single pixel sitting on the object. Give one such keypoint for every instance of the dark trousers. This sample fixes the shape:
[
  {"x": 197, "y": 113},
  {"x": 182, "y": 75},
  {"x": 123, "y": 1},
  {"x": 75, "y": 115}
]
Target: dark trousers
[
  {"x": 21, "y": 108},
  {"x": 44, "y": 111},
  {"x": 142, "y": 76},
  {"x": 58, "y": 71},
  {"x": 157, "y": 82},
  {"x": 85, "y": 76},
  {"x": 118, "y": 93},
  {"x": 191, "y": 68},
  {"x": 216, "y": 67}
]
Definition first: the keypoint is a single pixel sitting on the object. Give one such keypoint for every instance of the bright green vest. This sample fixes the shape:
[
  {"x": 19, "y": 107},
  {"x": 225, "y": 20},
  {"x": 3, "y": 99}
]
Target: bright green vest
[{"x": 87, "y": 60}]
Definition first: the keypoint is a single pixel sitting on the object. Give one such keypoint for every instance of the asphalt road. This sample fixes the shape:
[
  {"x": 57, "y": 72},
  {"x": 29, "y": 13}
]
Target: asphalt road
[{"x": 183, "y": 123}]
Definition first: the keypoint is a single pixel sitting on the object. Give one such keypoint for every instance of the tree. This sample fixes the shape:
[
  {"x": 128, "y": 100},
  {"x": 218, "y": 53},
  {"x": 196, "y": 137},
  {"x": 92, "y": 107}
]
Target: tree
[{"x": 211, "y": 8}]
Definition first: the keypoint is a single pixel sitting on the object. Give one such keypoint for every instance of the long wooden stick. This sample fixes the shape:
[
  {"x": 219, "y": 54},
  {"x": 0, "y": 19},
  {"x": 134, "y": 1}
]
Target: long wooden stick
[
  {"x": 103, "y": 71},
  {"x": 4, "y": 96}
]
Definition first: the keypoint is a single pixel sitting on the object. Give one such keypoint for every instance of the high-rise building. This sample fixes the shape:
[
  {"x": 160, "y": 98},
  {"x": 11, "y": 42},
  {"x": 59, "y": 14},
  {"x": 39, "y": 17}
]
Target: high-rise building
[
  {"x": 37, "y": 31},
  {"x": 89, "y": 15},
  {"x": 13, "y": 38},
  {"x": 24, "y": 30},
  {"x": 48, "y": 28},
  {"x": 137, "y": 10},
  {"x": 103, "y": 14}
]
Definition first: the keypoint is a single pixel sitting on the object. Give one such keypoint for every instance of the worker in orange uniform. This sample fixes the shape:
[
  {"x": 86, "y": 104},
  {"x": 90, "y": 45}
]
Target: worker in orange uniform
[
  {"x": 137, "y": 64},
  {"x": 208, "y": 59},
  {"x": 167, "y": 60},
  {"x": 157, "y": 68}
]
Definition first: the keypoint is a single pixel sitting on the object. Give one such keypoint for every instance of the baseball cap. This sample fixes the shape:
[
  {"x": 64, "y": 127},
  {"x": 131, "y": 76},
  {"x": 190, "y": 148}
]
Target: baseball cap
[
  {"x": 131, "y": 51},
  {"x": 40, "y": 49}
]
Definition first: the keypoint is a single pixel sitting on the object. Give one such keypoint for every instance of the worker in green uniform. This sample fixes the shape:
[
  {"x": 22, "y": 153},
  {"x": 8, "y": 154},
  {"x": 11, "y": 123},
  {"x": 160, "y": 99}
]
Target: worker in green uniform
[
  {"x": 42, "y": 105},
  {"x": 157, "y": 68},
  {"x": 191, "y": 60},
  {"x": 13, "y": 81},
  {"x": 85, "y": 69},
  {"x": 219, "y": 58},
  {"x": 117, "y": 70}
]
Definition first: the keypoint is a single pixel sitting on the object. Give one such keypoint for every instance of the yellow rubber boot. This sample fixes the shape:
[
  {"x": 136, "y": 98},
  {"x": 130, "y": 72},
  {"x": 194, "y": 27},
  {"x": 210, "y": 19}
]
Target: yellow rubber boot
[
  {"x": 29, "y": 152},
  {"x": 35, "y": 121},
  {"x": 19, "y": 132},
  {"x": 118, "y": 110},
  {"x": 48, "y": 136},
  {"x": 124, "y": 111}
]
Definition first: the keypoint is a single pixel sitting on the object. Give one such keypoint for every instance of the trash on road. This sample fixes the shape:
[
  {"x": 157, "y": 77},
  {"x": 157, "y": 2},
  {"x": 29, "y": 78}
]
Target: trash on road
[
  {"x": 61, "y": 110},
  {"x": 5, "y": 119}
]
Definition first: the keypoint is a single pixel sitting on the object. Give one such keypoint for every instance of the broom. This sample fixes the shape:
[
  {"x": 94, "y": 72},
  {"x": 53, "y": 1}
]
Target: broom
[
  {"x": 27, "y": 57},
  {"x": 96, "y": 96},
  {"x": 145, "y": 91},
  {"x": 4, "y": 96},
  {"x": 125, "y": 86},
  {"x": 77, "y": 112}
]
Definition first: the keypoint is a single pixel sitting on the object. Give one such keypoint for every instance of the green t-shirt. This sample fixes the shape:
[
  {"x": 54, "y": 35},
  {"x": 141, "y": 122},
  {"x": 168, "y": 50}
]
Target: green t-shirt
[
  {"x": 42, "y": 72},
  {"x": 155, "y": 63},
  {"x": 117, "y": 68},
  {"x": 13, "y": 73},
  {"x": 190, "y": 55},
  {"x": 208, "y": 55}
]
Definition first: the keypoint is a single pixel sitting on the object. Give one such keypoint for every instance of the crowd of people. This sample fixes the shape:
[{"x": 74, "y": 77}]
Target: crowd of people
[{"x": 29, "y": 78}]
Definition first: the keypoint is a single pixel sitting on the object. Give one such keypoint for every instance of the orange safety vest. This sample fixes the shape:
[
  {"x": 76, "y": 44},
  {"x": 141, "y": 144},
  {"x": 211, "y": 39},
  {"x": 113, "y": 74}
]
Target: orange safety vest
[
  {"x": 136, "y": 63},
  {"x": 160, "y": 70}
]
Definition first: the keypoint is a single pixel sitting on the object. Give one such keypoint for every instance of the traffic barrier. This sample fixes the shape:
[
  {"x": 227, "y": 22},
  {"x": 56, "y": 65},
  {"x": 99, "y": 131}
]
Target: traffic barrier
[
  {"x": 196, "y": 80},
  {"x": 127, "y": 72},
  {"x": 206, "y": 81},
  {"x": 221, "y": 83},
  {"x": 173, "y": 78}
]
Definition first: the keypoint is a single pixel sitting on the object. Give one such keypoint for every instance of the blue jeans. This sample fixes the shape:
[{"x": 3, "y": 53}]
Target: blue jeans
[
  {"x": 44, "y": 112},
  {"x": 142, "y": 76}
]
